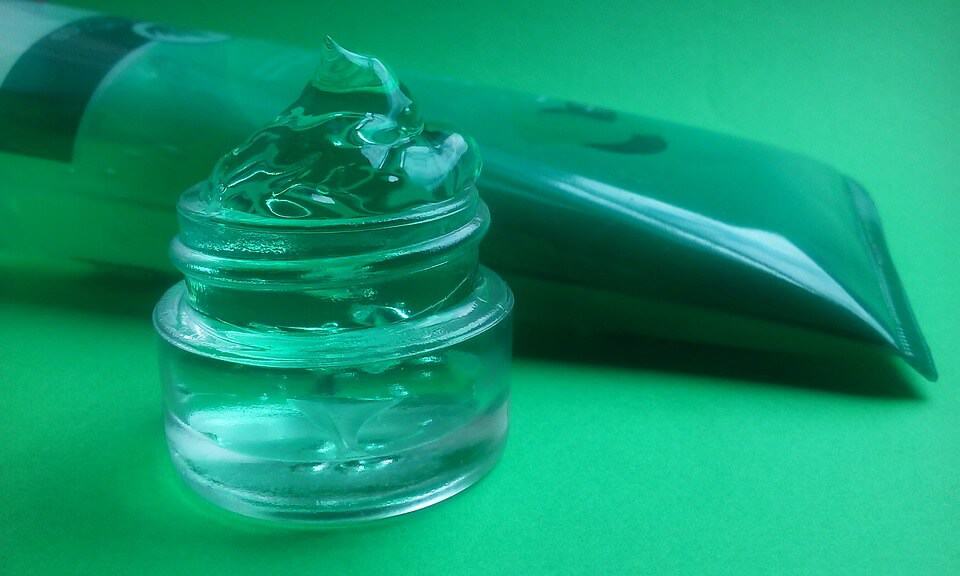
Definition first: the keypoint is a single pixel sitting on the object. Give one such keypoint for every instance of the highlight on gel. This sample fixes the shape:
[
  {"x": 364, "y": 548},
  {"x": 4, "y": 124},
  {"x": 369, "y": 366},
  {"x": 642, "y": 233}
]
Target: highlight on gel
[{"x": 335, "y": 352}]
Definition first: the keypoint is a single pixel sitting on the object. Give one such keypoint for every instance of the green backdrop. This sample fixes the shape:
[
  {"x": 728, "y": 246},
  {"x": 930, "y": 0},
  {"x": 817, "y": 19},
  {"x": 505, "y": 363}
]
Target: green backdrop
[{"x": 689, "y": 461}]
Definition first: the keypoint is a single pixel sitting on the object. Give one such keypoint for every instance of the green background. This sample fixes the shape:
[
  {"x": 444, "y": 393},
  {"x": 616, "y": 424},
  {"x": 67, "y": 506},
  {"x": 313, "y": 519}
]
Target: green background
[{"x": 723, "y": 464}]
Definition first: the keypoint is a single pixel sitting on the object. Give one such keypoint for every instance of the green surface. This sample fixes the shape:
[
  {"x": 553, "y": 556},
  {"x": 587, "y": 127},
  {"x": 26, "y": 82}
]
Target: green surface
[{"x": 691, "y": 461}]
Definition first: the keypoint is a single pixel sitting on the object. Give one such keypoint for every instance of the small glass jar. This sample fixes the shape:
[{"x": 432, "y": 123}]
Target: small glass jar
[{"x": 334, "y": 370}]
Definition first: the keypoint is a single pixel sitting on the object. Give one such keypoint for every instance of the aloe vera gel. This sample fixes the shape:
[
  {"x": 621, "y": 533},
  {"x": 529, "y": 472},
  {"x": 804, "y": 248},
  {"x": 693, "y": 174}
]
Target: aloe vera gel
[{"x": 335, "y": 352}]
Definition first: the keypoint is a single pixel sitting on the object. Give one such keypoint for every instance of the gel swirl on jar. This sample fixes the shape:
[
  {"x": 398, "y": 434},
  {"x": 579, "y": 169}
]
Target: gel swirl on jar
[
  {"x": 335, "y": 351},
  {"x": 352, "y": 146}
]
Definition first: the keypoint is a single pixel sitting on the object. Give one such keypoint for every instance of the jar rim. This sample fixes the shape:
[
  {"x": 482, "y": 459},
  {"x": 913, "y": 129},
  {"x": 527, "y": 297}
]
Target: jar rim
[
  {"x": 182, "y": 326},
  {"x": 189, "y": 208}
]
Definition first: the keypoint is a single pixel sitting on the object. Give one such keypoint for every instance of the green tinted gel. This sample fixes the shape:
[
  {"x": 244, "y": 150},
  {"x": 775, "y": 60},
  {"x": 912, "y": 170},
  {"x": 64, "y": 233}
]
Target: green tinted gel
[
  {"x": 335, "y": 353},
  {"x": 604, "y": 222}
]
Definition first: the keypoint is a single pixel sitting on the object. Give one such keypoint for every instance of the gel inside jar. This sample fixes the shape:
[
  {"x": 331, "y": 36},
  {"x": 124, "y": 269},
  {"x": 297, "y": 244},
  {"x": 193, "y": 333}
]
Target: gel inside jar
[{"x": 335, "y": 353}]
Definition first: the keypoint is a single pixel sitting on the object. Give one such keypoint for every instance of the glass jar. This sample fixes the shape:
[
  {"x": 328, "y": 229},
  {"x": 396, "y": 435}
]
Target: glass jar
[{"x": 334, "y": 370}]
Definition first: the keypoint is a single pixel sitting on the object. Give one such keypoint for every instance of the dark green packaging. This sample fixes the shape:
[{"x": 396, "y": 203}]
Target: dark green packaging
[
  {"x": 605, "y": 224},
  {"x": 613, "y": 223}
]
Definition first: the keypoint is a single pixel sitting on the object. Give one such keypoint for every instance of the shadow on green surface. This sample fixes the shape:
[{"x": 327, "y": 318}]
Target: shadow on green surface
[
  {"x": 856, "y": 372},
  {"x": 863, "y": 372},
  {"x": 121, "y": 291}
]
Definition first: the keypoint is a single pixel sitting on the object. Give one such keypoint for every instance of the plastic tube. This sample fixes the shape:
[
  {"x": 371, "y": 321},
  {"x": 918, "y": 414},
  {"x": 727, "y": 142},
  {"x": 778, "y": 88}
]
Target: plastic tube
[{"x": 604, "y": 223}]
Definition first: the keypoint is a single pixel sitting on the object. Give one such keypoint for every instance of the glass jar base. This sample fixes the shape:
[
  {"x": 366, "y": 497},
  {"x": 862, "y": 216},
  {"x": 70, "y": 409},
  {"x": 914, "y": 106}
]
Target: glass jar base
[{"x": 335, "y": 492}]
